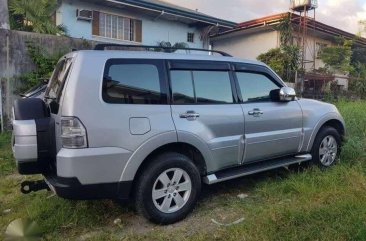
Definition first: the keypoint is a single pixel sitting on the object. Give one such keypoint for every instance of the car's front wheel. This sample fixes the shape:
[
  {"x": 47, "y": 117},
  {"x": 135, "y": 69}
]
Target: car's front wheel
[
  {"x": 326, "y": 147},
  {"x": 168, "y": 188}
]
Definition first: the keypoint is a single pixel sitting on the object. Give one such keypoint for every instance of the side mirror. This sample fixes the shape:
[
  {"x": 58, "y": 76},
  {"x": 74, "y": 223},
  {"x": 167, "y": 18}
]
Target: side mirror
[{"x": 285, "y": 94}]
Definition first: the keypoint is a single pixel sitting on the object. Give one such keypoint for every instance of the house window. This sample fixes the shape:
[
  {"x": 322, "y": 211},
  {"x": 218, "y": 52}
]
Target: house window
[
  {"x": 116, "y": 27},
  {"x": 319, "y": 48},
  {"x": 190, "y": 37}
]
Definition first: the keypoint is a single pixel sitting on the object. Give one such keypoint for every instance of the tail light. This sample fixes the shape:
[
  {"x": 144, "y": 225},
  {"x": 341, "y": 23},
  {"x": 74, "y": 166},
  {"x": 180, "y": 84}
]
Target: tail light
[{"x": 73, "y": 133}]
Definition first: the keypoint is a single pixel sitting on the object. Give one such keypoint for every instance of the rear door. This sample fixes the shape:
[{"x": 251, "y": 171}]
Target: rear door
[
  {"x": 204, "y": 109},
  {"x": 272, "y": 129}
]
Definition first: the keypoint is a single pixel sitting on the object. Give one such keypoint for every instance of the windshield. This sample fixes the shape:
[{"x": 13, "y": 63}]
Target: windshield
[{"x": 54, "y": 89}]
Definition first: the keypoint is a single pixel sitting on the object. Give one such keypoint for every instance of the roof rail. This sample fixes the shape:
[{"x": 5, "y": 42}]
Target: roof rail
[{"x": 103, "y": 46}]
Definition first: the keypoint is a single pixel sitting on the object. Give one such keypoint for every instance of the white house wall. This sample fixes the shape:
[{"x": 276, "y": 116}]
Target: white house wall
[
  {"x": 251, "y": 45},
  {"x": 247, "y": 46},
  {"x": 153, "y": 31},
  {"x": 311, "y": 51}
]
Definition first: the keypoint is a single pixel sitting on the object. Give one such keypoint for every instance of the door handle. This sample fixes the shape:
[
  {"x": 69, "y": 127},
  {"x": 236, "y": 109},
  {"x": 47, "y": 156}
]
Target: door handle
[
  {"x": 255, "y": 112},
  {"x": 189, "y": 115}
]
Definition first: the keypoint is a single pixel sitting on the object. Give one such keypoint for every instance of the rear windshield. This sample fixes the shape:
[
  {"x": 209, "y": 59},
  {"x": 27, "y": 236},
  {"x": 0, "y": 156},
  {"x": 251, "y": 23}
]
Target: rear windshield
[{"x": 54, "y": 89}]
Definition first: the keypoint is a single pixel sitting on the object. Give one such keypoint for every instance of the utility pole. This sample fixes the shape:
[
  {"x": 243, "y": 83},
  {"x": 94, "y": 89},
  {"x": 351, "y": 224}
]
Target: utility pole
[
  {"x": 4, "y": 15},
  {"x": 4, "y": 24}
]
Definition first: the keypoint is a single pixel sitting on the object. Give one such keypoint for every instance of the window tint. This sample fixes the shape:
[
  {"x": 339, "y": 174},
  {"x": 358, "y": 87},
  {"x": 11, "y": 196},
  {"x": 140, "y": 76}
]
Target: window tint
[
  {"x": 255, "y": 87},
  {"x": 206, "y": 87},
  {"x": 58, "y": 78},
  {"x": 182, "y": 87},
  {"x": 212, "y": 87},
  {"x": 132, "y": 84}
]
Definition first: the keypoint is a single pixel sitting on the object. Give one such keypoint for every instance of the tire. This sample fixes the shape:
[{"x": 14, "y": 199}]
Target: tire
[
  {"x": 153, "y": 180},
  {"x": 326, "y": 147}
]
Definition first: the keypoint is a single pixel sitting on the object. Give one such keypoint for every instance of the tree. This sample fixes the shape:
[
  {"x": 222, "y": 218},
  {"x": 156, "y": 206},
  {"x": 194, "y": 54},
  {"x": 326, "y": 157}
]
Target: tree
[
  {"x": 357, "y": 83},
  {"x": 34, "y": 16},
  {"x": 338, "y": 58},
  {"x": 284, "y": 60},
  {"x": 275, "y": 59}
]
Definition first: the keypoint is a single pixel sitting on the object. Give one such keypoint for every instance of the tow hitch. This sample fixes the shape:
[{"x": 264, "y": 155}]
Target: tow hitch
[{"x": 33, "y": 186}]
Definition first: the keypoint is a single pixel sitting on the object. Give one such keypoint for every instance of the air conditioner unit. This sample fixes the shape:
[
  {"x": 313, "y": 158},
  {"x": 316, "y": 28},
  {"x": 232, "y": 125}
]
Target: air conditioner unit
[{"x": 83, "y": 14}]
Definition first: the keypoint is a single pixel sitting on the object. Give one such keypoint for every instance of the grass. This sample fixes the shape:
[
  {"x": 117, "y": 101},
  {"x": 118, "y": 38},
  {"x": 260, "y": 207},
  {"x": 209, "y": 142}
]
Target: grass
[{"x": 281, "y": 205}]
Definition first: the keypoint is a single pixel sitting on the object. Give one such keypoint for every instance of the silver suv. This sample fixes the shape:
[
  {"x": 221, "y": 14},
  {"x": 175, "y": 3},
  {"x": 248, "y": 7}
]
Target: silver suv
[{"x": 154, "y": 126}]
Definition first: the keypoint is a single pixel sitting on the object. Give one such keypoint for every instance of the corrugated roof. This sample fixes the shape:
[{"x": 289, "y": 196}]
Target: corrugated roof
[
  {"x": 169, "y": 8},
  {"x": 295, "y": 19}
]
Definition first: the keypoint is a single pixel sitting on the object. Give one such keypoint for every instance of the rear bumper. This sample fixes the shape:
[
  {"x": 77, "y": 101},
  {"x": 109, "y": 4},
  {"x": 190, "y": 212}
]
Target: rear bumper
[
  {"x": 71, "y": 188},
  {"x": 92, "y": 165}
]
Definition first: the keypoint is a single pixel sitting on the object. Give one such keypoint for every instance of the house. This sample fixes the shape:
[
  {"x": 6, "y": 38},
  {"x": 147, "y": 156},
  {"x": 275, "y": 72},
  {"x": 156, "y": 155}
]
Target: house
[
  {"x": 146, "y": 22},
  {"x": 251, "y": 38}
]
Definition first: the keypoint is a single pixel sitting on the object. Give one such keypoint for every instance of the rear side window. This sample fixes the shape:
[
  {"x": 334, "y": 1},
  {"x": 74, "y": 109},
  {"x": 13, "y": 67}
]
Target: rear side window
[
  {"x": 255, "y": 86},
  {"x": 133, "y": 82},
  {"x": 58, "y": 79},
  {"x": 201, "y": 87}
]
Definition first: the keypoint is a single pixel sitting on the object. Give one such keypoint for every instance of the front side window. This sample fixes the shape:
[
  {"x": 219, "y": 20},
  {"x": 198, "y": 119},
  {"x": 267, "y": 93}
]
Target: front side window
[
  {"x": 132, "y": 83},
  {"x": 201, "y": 87},
  {"x": 255, "y": 87}
]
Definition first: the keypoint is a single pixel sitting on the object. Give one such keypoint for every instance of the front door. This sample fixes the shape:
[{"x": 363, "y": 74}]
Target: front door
[
  {"x": 272, "y": 129},
  {"x": 205, "y": 109}
]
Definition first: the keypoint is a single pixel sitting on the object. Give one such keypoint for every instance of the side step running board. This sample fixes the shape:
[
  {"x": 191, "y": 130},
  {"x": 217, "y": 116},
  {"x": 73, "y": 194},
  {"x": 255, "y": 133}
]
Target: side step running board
[{"x": 252, "y": 168}]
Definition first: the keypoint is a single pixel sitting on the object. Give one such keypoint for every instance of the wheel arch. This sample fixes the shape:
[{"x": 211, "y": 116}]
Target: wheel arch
[
  {"x": 335, "y": 122},
  {"x": 180, "y": 147},
  {"x": 162, "y": 143}
]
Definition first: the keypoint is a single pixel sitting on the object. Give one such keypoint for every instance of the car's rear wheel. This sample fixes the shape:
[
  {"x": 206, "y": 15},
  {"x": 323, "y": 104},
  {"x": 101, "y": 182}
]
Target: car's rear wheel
[
  {"x": 326, "y": 147},
  {"x": 168, "y": 188}
]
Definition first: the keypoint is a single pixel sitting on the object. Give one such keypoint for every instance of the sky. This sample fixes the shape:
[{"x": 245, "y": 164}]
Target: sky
[{"x": 343, "y": 14}]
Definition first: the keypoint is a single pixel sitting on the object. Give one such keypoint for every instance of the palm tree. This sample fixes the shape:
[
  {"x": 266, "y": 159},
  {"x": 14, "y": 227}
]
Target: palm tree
[{"x": 34, "y": 16}]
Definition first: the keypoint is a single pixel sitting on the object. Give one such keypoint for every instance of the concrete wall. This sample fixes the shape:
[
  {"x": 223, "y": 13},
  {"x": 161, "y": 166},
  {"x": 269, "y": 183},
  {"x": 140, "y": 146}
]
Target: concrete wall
[
  {"x": 14, "y": 58},
  {"x": 153, "y": 31}
]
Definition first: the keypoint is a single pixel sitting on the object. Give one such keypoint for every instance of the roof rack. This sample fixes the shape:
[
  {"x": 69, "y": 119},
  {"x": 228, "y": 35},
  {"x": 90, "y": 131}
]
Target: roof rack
[{"x": 149, "y": 47}]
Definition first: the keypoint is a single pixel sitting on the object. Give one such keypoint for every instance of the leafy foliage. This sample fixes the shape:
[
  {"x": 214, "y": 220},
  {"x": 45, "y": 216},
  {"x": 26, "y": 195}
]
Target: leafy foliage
[
  {"x": 338, "y": 58},
  {"x": 358, "y": 55},
  {"x": 169, "y": 45},
  {"x": 357, "y": 83},
  {"x": 44, "y": 62},
  {"x": 34, "y": 16},
  {"x": 283, "y": 60},
  {"x": 274, "y": 58}
]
